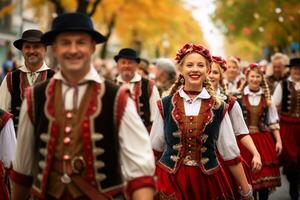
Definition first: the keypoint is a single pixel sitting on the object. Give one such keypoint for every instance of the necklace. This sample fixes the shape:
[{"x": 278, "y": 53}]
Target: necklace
[
  {"x": 191, "y": 92},
  {"x": 254, "y": 91}
]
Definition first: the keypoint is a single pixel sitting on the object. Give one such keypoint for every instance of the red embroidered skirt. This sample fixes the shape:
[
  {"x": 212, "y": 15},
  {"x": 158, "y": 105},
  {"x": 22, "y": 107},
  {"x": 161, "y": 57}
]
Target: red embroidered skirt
[
  {"x": 191, "y": 183},
  {"x": 290, "y": 136},
  {"x": 4, "y": 195},
  {"x": 269, "y": 175}
]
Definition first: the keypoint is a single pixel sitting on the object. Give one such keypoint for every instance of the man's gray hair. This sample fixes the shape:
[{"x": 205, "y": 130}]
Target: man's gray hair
[
  {"x": 165, "y": 64},
  {"x": 280, "y": 56}
]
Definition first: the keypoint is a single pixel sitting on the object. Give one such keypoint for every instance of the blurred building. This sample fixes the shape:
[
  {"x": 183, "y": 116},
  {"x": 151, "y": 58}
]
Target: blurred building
[{"x": 12, "y": 25}]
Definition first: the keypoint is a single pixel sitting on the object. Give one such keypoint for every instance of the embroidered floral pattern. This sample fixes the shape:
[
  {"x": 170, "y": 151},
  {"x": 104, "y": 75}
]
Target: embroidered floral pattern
[
  {"x": 190, "y": 48},
  {"x": 219, "y": 60}
]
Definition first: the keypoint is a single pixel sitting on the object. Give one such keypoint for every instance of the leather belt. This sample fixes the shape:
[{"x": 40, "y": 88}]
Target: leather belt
[{"x": 74, "y": 169}]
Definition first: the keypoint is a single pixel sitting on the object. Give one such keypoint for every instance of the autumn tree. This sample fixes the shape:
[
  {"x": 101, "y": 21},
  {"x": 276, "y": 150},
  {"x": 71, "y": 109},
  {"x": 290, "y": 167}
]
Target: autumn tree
[
  {"x": 151, "y": 26},
  {"x": 260, "y": 24},
  {"x": 6, "y": 9}
]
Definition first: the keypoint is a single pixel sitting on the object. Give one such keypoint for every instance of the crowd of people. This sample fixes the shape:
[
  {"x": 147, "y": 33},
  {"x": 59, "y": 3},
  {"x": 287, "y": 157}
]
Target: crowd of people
[{"x": 199, "y": 127}]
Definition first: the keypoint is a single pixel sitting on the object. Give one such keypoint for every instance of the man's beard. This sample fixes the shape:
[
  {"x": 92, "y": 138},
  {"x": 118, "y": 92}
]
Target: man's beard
[
  {"x": 127, "y": 75},
  {"x": 33, "y": 59}
]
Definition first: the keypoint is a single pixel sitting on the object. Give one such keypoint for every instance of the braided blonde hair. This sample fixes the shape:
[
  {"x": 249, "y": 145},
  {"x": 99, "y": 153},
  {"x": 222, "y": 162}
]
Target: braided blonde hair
[
  {"x": 177, "y": 84},
  {"x": 266, "y": 89},
  {"x": 221, "y": 82},
  {"x": 208, "y": 86},
  {"x": 224, "y": 86}
]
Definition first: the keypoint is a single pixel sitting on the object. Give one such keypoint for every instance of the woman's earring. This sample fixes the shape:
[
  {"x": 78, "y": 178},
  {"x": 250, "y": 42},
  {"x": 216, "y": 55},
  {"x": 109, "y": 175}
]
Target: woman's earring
[{"x": 182, "y": 80}]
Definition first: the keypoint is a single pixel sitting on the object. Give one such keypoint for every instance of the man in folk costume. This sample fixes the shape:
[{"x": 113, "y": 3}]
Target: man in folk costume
[
  {"x": 143, "y": 91},
  {"x": 73, "y": 135},
  {"x": 287, "y": 97},
  {"x": 7, "y": 149},
  {"x": 279, "y": 72},
  {"x": 34, "y": 70}
]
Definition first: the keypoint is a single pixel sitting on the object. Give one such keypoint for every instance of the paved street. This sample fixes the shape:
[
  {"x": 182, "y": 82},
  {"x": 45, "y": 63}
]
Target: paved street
[{"x": 281, "y": 193}]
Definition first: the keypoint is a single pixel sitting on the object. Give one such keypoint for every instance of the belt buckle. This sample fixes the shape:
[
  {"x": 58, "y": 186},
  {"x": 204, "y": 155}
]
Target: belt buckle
[{"x": 78, "y": 164}]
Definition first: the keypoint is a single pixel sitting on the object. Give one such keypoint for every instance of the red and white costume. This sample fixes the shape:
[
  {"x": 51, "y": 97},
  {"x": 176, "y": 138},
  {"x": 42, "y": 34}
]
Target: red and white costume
[
  {"x": 261, "y": 120},
  {"x": 190, "y": 169},
  {"x": 135, "y": 153},
  {"x": 7, "y": 149}
]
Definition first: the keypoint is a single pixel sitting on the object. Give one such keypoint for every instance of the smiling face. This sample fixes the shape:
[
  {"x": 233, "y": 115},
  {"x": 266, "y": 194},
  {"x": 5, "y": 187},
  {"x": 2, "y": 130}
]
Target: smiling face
[
  {"x": 233, "y": 70},
  {"x": 33, "y": 53},
  {"x": 215, "y": 75},
  {"x": 295, "y": 73},
  {"x": 126, "y": 68},
  {"x": 278, "y": 67},
  {"x": 194, "y": 68},
  {"x": 254, "y": 80},
  {"x": 73, "y": 51}
]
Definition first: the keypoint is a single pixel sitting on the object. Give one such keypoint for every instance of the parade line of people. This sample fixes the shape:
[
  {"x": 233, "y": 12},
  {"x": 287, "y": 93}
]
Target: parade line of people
[{"x": 201, "y": 129}]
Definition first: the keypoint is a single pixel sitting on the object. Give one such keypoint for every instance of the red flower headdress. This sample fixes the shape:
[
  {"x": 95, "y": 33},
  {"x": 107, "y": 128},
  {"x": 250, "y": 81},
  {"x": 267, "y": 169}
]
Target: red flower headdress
[
  {"x": 189, "y": 48},
  {"x": 219, "y": 60},
  {"x": 253, "y": 66}
]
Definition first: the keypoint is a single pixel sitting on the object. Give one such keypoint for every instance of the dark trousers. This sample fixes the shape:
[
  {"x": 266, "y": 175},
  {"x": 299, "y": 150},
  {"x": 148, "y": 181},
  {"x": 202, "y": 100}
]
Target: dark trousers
[{"x": 293, "y": 178}]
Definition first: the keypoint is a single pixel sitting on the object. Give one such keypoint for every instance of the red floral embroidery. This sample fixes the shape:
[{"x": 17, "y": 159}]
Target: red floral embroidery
[
  {"x": 219, "y": 60},
  {"x": 254, "y": 66},
  {"x": 189, "y": 48}
]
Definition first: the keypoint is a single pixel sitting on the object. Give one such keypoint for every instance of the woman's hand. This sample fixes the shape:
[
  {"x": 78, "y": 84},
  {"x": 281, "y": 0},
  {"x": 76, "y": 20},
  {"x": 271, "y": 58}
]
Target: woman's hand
[
  {"x": 246, "y": 195},
  {"x": 278, "y": 148},
  {"x": 256, "y": 163}
]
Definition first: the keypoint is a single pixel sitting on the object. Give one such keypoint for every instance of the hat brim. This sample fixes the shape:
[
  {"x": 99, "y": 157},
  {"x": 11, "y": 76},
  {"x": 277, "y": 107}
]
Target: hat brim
[
  {"x": 49, "y": 37},
  {"x": 19, "y": 43},
  {"x": 117, "y": 57},
  {"x": 293, "y": 65}
]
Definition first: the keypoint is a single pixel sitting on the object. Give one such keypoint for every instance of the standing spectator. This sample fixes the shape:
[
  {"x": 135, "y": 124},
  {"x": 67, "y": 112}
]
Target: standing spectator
[
  {"x": 287, "y": 98},
  {"x": 143, "y": 91},
  {"x": 73, "y": 138},
  {"x": 34, "y": 70},
  {"x": 9, "y": 65}
]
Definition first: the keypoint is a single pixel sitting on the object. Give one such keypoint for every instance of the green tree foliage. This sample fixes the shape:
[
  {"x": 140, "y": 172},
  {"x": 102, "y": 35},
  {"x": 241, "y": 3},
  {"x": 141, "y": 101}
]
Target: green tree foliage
[{"x": 273, "y": 24}]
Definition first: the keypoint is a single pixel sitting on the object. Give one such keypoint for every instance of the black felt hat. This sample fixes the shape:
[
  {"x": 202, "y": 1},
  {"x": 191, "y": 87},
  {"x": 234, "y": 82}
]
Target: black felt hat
[
  {"x": 31, "y": 35},
  {"x": 127, "y": 53},
  {"x": 294, "y": 62},
  {"x": 71, "y": 22}
]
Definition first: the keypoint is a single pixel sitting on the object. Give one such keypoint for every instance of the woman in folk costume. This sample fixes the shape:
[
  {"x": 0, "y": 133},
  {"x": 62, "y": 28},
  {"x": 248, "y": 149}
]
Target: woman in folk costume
[
  {"x": 7, "y": 149},
  {"x": 192, "y": 124},
  {"x": 234, "y": 79},
  {"x": 262, "y": 119},
  {"x": 236, "y": 116}
]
